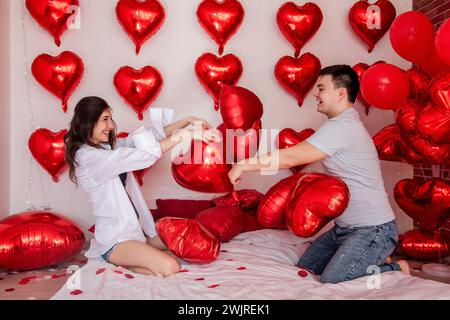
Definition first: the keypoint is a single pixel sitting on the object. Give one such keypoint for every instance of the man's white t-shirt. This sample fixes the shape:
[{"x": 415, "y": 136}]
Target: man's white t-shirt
[{"x": 352, "y": 156}]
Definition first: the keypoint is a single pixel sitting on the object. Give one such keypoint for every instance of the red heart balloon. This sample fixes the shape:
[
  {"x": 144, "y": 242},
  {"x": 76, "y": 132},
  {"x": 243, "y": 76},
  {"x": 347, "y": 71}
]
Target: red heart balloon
[
  {"x": 140, "y": 19},
  {"x": 212, "y": 71},
  {"x": 427, "y": 203},
  {"x": 60, "y": 75},
  {"x": 423, "y": 245},
  {"x": 33, "y": 240},
  {"x": 202, "y": 168},
  {"x": 246, "y": 199},
  {"x": 419, "y": 84},
  {"x": 316, "y": 200},
  {"x": 299, "y": 24},
  {"x": 289, "y": 137},
  {"x": 138, "y": 174},
  {"x": 434, "y": 124},
  {"x": 239, "y": 145},
  {"x": 49, "y": 150},
  {"x": 431, "y": 151},
  {"x": 239, "y": 107},
  {"x": 220, "y": 20},
  {"x": 139, "y": 88},
  {"x": 53, "y": 16},
  {"x": 298, "y": 75},
  {"x": 360, "y": 69},
  {"x": 188, "y": 239},
  {"x": 224, "y": 223},
  {"x": 406, "y": 116},
  {"x": 371, "y": 21},
  {"x": 440, "y": 92}
]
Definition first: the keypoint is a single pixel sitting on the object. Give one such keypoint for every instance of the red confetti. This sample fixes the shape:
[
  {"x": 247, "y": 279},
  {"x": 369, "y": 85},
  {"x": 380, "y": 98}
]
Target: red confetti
[
  {"x": 230, "y": 259},
  {"x": 118, "y": 272},
  {"x": 303, "y": 273},
  {"x": 24, "y": 282},
  {"x": 129, "y": 276},
  {"x": 199, "y": 279},
  {"x": 1, "y": 279},
  {"x": 55, "y": 276},
  {"x": 213, "y": 285},
  {"x": 9, "y": 289},
  {"x": 184, "y": 270},
  {"x": 76, "y": 292},
  {"x": 242, "y": 268},
  {"x": 30, "y": 278},
  {"x": 101, "y": 270},
  {"x": 224, "y": 250}
]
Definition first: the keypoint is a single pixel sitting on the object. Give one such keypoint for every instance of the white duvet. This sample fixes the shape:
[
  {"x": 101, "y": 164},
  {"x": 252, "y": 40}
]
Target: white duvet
[{"x": 254, "y": 265}]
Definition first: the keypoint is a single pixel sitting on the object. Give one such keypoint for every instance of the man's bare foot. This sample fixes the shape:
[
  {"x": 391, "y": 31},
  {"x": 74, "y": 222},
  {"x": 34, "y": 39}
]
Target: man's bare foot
[
  {"x": 404, "y": 266},
  {"x": 388, "y": 260}
]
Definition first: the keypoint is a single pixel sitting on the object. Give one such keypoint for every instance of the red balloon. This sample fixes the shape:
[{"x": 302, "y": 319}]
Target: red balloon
[
  {"x": 406, "y": 116},
  {"x": 138, "y": 88},
  {"x": 60, "y": 75},
  {"x": 299, "y": 24},
  {"x": 385, "y": 86},
  {"x": 423, "y": 245},
  {"x": 316, "y": 200},
  {"x": 426, "y": 203},
  {"x": 202, "y": 168},
  {"x": 371, "y": 24},
  {"x": 412, "y": 36},
  {"x": 220, "y": 20},
  {"x": 212, "y": 71},
  {"x": 49, "y": 150},
  {"x": 140, "y": 19},
  {"x": 244, "y": 145},
  {"x": 53, "y": 16},
  {"x": 360, "y": 69},
  {"x": 434, "y": 124},
  {"x": 272, "y": 208},
  {"x": 224, "y": 223},
  {"x": 442, "y": 42},
  {"x": 138, "y": 174},
  {"x": 419, "y": 84},
  {"x": 239, "y": 107},
  {"x": 440, "y": 92},
  {"x": 432, "y": 64},
  {"x": 246, "y": 199},
  {"x": 188, "y": 239},
  {"x": 251, "y": 224},
  {"x": 298, "y": 75},
  {"x": 431, "y": 151},
  {"x": 289, "y": 137},
  {"x": 39, "y": 239}
]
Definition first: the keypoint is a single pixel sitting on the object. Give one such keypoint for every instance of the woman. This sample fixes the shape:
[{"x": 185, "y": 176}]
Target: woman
[{"x": 125, "y": 232}]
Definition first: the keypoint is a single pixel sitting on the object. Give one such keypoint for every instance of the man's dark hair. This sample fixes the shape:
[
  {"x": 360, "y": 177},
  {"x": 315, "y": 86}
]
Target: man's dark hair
[{"x": 343, "y": 77}]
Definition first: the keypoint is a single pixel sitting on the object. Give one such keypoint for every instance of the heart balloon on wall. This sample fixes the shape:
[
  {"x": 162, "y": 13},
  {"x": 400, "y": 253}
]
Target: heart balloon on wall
[
  {"x": 140, "y": 19},
  {"x": 221, "y": 20},
  {"x": 138, "y": 88},
  {"x": 298, "y": 75},
  {"x": 299, "y": 24},
  {"x": 49, "y": 150},
  {"x": 33, "y": 240},
  {"x": 371, "y": 21},
  {"x": 213, "y": 71},
  {"x": 53, "y": 16},
  {"x": 289, "y": 137}
]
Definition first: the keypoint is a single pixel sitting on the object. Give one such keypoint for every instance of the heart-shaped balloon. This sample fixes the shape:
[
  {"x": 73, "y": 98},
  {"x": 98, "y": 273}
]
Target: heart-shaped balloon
[
  {"x": 360, "y": 69},
  {"x": 224, "y": 223},
  {"x": 423, "y": 245},
  {"x": 139, "y": 88},
  {"x": 299, "y": 24},
  {"x": 60, "y": 75},
  {"x": 53, "y": 16},
  {"x": 298, "y": 75},
  {"x": 213, "y": 71},
  {"x": 371, "y": 21},
  {"x": 440, "y": 92},
  {"x": 188, "y": 239},
  {"x": 316, "y": 200},
  {"x": 239, "y": 107},
  {"x": 138, "y": 174},
  {"x": 220, "y": 19},
  {"x": 239, "y": 145},
  {"x": 246, "y": 199},
  {"x": 434, "y": 124},
  {"x": 406, "y": 116},
  {"x": 34, "y": 240},
  {"x": 427, "y": 203},
  {"x": 289, "y": 137},
  {"x": 434, "y": 153},
  {"x": 419, "y": 85},
  {"x": 49, "y": 150},
  {"x": 140, "y": 19},
  {"x": 202, "y": 168}
]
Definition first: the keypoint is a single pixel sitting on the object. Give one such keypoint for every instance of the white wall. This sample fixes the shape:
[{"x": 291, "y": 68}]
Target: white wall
[{"x": 104, "y": 47}]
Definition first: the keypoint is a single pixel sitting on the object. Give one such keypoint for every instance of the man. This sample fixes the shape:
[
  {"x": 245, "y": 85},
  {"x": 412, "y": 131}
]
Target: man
[{"x": 366, "y": 234}]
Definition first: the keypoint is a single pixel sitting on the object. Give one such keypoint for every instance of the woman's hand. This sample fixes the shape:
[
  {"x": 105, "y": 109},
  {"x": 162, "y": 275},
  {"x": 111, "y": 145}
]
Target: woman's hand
[
  {"x": 207, "y": 136},
  {"x": 197, "y": 123},
  {"x": 235, "y": 174}
]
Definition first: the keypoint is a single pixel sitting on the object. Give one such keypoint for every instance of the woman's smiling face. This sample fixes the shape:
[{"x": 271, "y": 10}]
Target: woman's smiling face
[{"x": 104, "y": 125}]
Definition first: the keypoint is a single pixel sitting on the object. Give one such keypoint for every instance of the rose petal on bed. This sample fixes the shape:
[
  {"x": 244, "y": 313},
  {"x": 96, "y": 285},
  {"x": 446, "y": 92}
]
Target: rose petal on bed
[
  {"x": 229, "y": 259},
  {"x": 199, "y": 279},
  {"x": 242, "y": 268},
  {"x": 213, "y": 285},
  {"x": 76, "y": 292},
  {"x": 303, "y": 273},
  {"x": 223, "y": 250},
  {"x": 118, "y": 272},
  {"x": 9, "y": 289},
  {"x": 129, "y": 276},
  {"x": 55, "y": 276},
  {"x": 1, "y": 279},
  {"x": 24, "y": 282},
  {"x": 101, "y": 270},
  {"x": 183, "y": 270}
]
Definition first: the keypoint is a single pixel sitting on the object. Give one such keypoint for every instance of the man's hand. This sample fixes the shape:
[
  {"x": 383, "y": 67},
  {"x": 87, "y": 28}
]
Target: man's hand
[{"x": 235, "y": 174}]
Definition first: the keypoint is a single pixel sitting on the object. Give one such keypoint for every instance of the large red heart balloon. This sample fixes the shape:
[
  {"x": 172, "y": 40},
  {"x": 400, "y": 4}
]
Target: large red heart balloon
[
  {"x": 140, "y": 19},
  {"x": 239, "y": 107},
  {"x": 419, "y": 84},
  {"x": 299, "y": 24},
  {"x": 434, "y": 124},
  {"x": 60, "y": 75},
  {"x": 139, "y": 88},
  {"x": 239, "y": 145},
  {"x": 53, "y": 16},
  {"x": 440, "y": 92},
  {"x": 298, "y": 75},
  {"x": 221, "y": 20},
  {"x": 317, "y": 199},
  {"x": 434, "y": 153},
  {"x": 188, "y": 239},
  {"x": 39, "y": 239},
  {"x": 202, "y": 168},
  {"x": 423, "y": 245},
  {"x": 224, "y": 223},
  {"x": 289, "y": 137},
  {"x": 49, "y": 150},
  {"x": 427, "y": 203},
  {"x": 213, "y": 71},
  {"x": 371, "y": 21},
  {"x": 138, "y": 174}
]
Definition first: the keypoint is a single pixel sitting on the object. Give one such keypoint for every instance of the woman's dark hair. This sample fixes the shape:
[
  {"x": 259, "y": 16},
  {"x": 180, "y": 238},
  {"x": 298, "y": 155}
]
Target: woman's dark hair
[
  {"x": 87, "y": 112},
  {"x": 343, "y": 77}
]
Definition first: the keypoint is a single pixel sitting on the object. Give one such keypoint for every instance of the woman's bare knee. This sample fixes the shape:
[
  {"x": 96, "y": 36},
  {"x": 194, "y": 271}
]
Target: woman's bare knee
[{"x": 171, "y": 266}]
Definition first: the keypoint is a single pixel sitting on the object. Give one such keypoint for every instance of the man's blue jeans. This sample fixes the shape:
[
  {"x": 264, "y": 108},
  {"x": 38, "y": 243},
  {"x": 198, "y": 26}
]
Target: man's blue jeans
[{"x": 347, "y": 253}]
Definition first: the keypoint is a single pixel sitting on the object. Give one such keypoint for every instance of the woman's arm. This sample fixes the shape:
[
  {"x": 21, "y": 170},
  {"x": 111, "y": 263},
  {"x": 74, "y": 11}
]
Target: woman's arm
[
  {"x": 186, "y": 136},
  {"x": 183, "y": 123}
]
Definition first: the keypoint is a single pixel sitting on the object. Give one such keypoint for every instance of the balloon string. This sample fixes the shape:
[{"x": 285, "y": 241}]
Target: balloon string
[
  {"x": 220, "y": 49},
  {"x": 138, "y": 49}
]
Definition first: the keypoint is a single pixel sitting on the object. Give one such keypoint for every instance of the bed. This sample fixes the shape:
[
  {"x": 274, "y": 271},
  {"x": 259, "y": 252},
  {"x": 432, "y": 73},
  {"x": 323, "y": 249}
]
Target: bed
[{"x": 253, "y": 266}]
